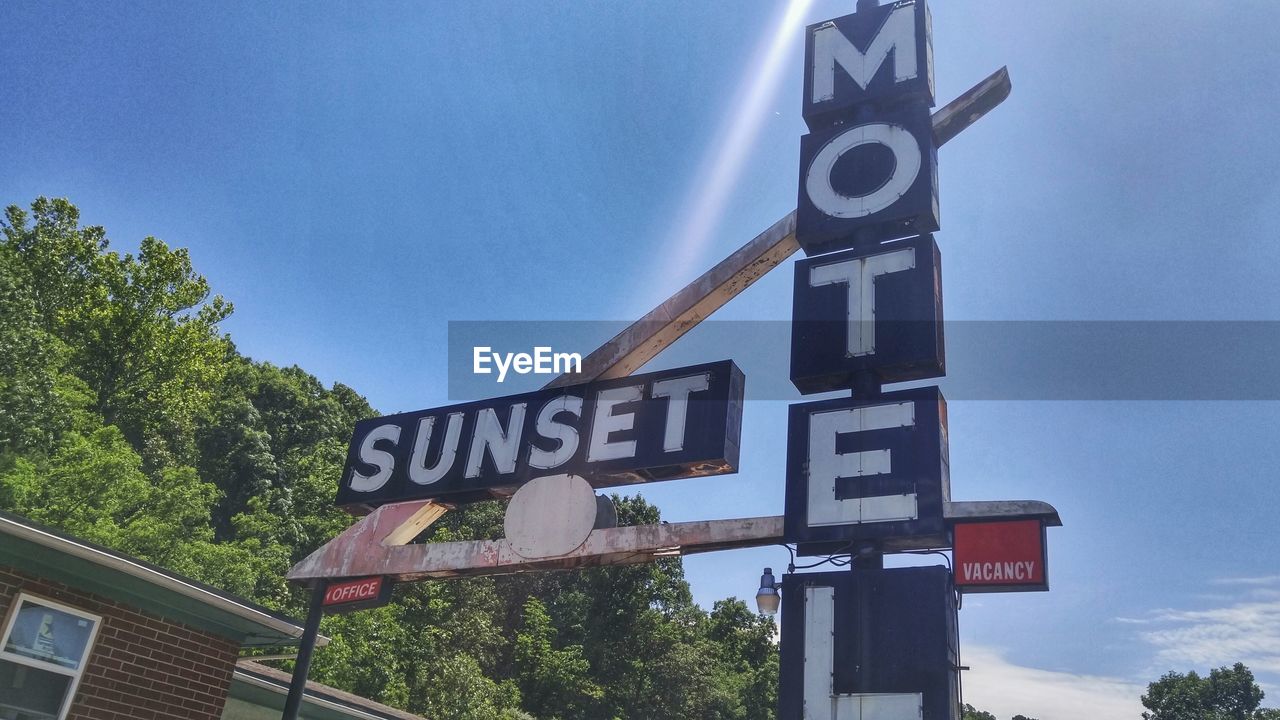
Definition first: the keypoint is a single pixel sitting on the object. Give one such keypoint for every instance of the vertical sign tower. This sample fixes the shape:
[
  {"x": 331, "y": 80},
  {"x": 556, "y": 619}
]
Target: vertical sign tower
[{"x": 868, "y": 474}]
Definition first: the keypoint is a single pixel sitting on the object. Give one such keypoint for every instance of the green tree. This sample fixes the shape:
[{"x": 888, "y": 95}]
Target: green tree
[
  {"x": 140, "y": 331},
  {"x": 1225, "y": 694},
  {"x": 969, "y": 712},
  {"x": 554, "y": 682},
  {"x": 39, "y": 400},
  {"x": 129, "y": 419}
]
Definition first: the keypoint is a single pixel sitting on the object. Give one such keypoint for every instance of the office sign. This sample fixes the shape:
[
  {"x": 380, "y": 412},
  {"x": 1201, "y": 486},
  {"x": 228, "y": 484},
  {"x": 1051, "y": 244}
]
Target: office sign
[
  {"x": 877, "y": 310},
  {"x": 1006, "y": 556},
  {"x": 659, "y": 426},
  {"x": 868, "y": 168},
  {"x": 356, "y": 594},
  {"x": 866, "y": 643},
  {"x": 866, "y": 470}
]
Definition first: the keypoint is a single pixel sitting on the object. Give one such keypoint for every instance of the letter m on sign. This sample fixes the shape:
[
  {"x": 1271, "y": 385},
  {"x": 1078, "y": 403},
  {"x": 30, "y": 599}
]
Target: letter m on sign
[{"x": 882, "y": 55}]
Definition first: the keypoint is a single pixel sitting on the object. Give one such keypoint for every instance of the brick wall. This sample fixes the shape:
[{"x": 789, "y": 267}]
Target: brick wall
[{"x": 141, "y": 667}]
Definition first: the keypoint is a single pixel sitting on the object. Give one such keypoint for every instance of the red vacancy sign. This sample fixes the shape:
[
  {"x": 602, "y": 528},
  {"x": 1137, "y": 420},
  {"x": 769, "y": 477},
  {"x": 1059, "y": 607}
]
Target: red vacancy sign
[
  {"x": 356, "y": 594},
  {"x": 1006, "y": 556}
]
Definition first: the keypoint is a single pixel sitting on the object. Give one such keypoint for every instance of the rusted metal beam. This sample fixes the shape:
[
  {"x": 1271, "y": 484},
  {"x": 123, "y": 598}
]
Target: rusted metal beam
[
  {"x": 965, "y": 110},
  {"x": 663, "y": 325},
  {"x": 387, "y": 526},
  {"x": 630, "y": 349},
  {"x": 607, "y": 546}
]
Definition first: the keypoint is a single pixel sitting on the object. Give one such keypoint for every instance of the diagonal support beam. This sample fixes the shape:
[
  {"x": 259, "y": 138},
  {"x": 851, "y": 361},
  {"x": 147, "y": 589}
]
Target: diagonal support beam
[{"x": 662, "y": 326}]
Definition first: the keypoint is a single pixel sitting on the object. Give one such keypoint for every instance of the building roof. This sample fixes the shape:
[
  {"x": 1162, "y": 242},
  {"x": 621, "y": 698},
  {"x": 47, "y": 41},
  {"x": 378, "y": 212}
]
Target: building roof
[
  {"x": 267, "y": 687},
  {"x": 47, "y": 553}
]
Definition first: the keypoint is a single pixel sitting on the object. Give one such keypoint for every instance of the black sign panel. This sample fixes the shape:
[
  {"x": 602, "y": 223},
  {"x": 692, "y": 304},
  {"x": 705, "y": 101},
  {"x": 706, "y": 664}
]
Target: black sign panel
[
  {"x": 882, "y": 55},
  {"x": 882, "y": 632},
  {"x": 869, "y": 181},
  {"x": 866, "y": 470},
  {"x": 671, "y": 424},
  {"x": 874, "y": 310}
]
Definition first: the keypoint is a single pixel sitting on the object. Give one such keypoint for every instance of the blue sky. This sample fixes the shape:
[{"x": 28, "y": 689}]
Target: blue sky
[{"x": 353, "y": 176}]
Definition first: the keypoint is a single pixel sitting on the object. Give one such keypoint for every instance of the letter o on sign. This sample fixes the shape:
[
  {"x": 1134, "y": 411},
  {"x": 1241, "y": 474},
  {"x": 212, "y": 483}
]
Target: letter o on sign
[{"x": 906, "y": 154}]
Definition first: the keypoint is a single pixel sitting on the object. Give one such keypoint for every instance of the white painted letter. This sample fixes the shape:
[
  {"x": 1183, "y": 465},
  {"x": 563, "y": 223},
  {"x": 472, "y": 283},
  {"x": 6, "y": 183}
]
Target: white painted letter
[
  {"x": 907, "y": 163},
  {"x": 381, "y": 459},
  {"x": 678, "y": 390},
  {"x": 859, "y": 275},
  {"x": 566, "y": 435},
  {"x": 502, "y": 444},
  {"x": 605, "y": 422},
  {"x": 831, "y": 47},
  {"x": 418, "y": 470},
  {"x": 826, "y": 466}
]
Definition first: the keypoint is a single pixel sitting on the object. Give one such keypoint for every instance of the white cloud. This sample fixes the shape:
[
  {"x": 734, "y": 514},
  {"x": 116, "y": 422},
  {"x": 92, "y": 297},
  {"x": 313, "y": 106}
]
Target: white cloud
[
  {"x": 1004, "y": 689},
  {"x": 1244, "y": 628},
  {"x": 1263, "y": 580}
]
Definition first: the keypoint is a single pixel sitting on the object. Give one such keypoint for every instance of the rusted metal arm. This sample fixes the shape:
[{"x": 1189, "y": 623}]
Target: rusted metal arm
[{"x": 607, "y": 546}]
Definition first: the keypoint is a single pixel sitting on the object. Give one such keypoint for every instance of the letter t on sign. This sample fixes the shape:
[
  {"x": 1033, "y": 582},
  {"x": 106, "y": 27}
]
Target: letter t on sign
[{"x": 868, "y": 310}]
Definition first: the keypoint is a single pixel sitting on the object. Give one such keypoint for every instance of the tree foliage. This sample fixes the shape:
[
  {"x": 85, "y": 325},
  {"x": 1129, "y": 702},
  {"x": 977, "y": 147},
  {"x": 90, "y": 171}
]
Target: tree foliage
[
  {"x": 129, "y": 418},
  {"x": 1227, "y": 693}
]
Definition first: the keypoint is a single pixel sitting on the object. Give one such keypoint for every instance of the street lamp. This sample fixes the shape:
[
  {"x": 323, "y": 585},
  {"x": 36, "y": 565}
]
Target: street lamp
[{"x": 767, "y": 597}]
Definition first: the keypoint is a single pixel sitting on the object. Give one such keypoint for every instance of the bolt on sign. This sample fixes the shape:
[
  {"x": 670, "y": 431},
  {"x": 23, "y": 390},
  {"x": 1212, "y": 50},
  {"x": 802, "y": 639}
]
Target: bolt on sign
[
  {"x": 1001, "y": 556},
  {"x": 665, "y": 425},
  {"x": 868, "y": 167}
]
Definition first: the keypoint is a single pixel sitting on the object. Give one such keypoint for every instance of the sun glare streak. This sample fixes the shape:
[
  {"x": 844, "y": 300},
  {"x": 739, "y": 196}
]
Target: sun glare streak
[{"x": 721, "y": 168}]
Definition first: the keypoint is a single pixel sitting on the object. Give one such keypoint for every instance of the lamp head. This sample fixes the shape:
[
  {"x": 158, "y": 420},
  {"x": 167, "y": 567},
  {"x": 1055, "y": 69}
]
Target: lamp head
[{"x": 767, "y": 597}]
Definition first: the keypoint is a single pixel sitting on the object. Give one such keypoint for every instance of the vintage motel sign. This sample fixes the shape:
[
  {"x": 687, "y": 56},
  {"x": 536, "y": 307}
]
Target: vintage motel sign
[
  {"x": 664, "y": 425},
  {"x": 876, "y": 310},
  {"x": 1006, "y": 556},
  {"x": 874, "y": 644},
  {"x": 866, "y": 470},
  {"x": 868, "y": 168}
]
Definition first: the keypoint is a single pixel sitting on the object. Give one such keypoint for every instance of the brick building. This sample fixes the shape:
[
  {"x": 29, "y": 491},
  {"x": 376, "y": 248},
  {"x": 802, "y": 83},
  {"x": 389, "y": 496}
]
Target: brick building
[{"x": 90, "y": 634}]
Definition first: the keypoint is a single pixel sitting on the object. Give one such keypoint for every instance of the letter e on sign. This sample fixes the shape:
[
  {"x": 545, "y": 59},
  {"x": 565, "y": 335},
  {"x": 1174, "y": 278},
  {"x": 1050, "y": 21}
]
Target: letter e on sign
[{"x": 1006, "y": 556}]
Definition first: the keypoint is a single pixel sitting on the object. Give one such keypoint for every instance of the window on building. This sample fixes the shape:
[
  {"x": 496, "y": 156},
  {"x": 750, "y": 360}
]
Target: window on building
[{"x": 43, "y": 651}]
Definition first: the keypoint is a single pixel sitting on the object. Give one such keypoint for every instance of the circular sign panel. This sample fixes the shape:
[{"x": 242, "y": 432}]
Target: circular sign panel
[{"x": 550, "y": 516}]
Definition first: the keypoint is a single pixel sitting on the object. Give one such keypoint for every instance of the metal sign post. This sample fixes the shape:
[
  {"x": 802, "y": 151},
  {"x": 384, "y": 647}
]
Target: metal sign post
[
  {"x": 302, "y": 666},
  {"x": 870, "y": 474}
]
